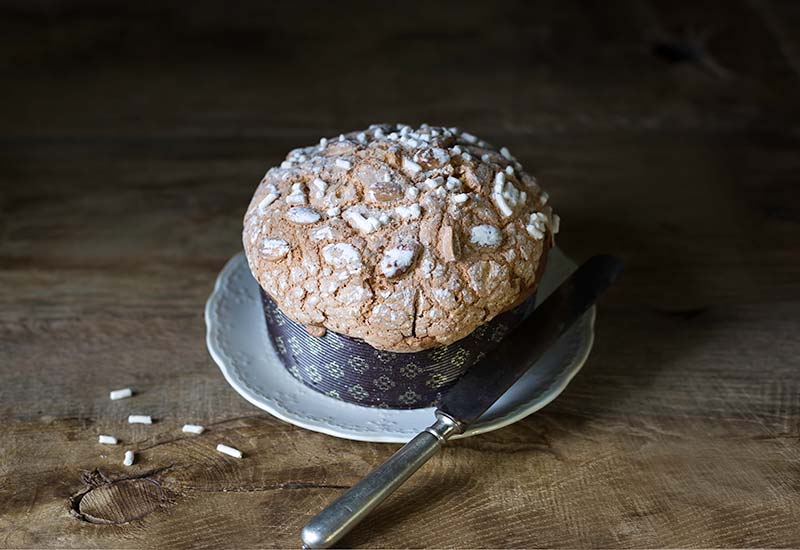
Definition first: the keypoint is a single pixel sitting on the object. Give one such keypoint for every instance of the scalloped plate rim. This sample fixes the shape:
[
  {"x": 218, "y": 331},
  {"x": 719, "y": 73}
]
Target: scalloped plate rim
[{"x": 298, "y": 418}]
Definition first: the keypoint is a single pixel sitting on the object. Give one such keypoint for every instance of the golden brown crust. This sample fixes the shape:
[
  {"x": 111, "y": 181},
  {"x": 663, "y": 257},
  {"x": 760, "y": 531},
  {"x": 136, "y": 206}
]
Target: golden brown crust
[{"x": 406, "y": 238}]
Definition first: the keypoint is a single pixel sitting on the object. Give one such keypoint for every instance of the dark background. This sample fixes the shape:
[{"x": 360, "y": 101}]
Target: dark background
[
  {"x": 613, "y": 105},
  {"x": 132, "y": 135}
]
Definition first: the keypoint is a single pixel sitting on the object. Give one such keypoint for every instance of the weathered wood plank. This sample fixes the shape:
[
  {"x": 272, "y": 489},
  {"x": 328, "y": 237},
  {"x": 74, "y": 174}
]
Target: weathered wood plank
[
  {"x": 132, "y": 136},
  {"x": 556, "y": 479}
]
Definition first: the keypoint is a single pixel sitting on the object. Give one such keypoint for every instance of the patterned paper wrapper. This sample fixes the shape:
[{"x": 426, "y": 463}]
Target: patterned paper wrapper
[{"x": 351, "y": 370}]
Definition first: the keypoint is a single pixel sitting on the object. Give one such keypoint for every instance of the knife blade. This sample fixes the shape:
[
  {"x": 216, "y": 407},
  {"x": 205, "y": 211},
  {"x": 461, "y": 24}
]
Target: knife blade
[{"x": 470, "y": 397}]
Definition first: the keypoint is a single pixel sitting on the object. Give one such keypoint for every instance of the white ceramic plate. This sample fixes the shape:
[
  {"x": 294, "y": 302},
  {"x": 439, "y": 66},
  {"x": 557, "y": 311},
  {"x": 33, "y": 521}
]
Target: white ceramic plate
[{"x": 237, "y": 340}]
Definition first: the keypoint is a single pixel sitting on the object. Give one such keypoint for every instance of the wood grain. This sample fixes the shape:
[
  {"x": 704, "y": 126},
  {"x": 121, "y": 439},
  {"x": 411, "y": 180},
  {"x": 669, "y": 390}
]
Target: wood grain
[{"x": 131, "y": 139}]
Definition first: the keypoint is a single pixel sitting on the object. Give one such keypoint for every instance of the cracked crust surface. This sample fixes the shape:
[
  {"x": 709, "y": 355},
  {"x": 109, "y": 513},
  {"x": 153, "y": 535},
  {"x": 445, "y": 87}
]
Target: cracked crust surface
[{"x": 407, "y": 238}]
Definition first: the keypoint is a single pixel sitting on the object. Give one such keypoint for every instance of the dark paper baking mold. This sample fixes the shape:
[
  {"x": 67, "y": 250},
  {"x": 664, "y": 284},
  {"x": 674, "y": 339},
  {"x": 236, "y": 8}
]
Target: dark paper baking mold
[{"x": 351, "y": 370}]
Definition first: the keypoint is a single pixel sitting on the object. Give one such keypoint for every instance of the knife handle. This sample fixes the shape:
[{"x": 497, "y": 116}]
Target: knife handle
[{"x": 332, "y": 523}]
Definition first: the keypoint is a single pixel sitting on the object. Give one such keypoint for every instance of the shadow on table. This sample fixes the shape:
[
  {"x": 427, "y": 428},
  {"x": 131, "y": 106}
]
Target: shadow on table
[{"x": 646, "y": 325}]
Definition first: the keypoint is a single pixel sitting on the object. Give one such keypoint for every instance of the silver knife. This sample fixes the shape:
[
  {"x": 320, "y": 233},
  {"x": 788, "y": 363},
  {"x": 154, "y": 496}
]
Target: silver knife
[{"x": 469, "y": 398}]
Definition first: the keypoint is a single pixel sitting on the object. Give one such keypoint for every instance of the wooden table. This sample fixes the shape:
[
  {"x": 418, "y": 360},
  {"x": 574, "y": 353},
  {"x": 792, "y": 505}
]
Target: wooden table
[{"x": 133, "y": 135}]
